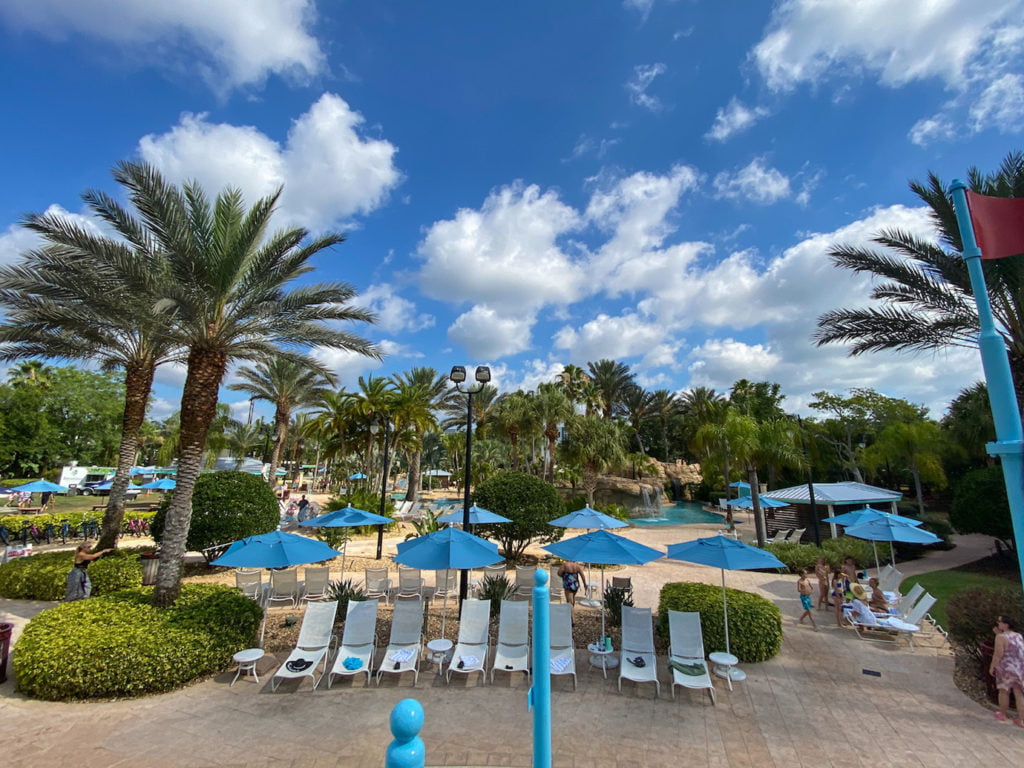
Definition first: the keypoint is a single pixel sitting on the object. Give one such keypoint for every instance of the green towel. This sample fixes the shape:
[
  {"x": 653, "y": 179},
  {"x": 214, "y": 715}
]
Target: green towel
[{"x": 693, "y": 670}]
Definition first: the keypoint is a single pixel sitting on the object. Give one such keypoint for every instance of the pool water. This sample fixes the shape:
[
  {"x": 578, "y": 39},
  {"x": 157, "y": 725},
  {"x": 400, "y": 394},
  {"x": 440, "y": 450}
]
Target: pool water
[{"x": 682, "y": 513}]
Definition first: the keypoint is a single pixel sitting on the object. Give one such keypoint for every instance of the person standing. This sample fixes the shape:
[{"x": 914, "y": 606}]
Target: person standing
[
  {"x": 303, "y": 508},
  {"x": 805, "y": 590},
  {"x": 1008, "y": 668},
  {"x": 78, "y": 585},
  {"x": 821, "y": 571},
  {"x": 840, "y": 586},
  {"x": 572, "y": 576}
]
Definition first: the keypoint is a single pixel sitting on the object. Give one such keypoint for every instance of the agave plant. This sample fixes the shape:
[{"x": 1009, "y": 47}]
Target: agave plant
[{"x": 427, "y": 524}]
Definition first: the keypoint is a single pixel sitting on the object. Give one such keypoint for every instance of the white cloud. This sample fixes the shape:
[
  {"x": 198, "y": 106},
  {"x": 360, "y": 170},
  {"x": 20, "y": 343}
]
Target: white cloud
[
  {"x": 348, "y": 366},
  {"x": 732, "y": 119},
  {"x": 929, "y": 129},
  {"x": 718, "y": 361},
  {"x": 627, "y": 335},
  {"x": 329, "y": 171},
  {"x": 643, "y": 6},
  {"x": 755, "y": 182},
  {"x": 161, "y": 408},
  {"x": 394, "y": 313},
  {"x": 643, "y": 76},
  {"x": 231, "y": 42},
  {"x": 486, "y": 335},
  {"x": 505, "y": 255},
  {"x": 527, "y": 376},
  {"x": 1000, "y": 105},
  {"x": 17, "y": 240}
]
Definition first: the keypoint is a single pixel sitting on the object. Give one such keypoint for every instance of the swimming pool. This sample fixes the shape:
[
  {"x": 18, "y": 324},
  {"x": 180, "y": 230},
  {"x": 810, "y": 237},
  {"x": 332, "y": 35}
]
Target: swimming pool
[{"x": 682, "y": 513}]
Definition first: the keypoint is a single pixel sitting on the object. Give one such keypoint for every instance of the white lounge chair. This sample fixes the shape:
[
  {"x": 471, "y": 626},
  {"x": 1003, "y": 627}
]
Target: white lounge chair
[
  {"x": 250, "y": 582},
  {"x": 562, "y": 649},
  {"x": 780, "y": 536},
  {"x": 892, "y": 580},
  {"x": 358, "y": 641},
  {"x": 446, "y": 583},
  {"x": 406, "y": 641},
  {"x": 525, "y": 581},
  {"x": 402, "y": 510},
  {"x": 315, "y": 638},
  {"x": 796, "y": 535},
  {"x": 470, "y": 654},
  {"x": 376, "y": 583},
  {"x": 686, "y": 656},
  {"x": 638, "y": 662},
  {"x": 489, "y": 571},
  {"x": 883, "y": 574},
  {"x": 908, "y": 601},
  {"x": 410, "y": 583},
  {"x": 316, "y": 582},
  {"x": 284, "y": 587},
  {"x": 512, "y": 653}
]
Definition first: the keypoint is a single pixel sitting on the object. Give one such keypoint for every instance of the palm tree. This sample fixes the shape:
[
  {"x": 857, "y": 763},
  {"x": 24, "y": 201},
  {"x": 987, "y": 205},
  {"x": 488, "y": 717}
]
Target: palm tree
[
  {"x": 85, "y": 296},
  {"x": 288, "y": 384},
  {"x": 332, "y": 421},
  {"x": 374, "y": 402},
  {"x": 571, "y": 382},
  {"x": 611, "y": 378},
  {"x": 664, "y": 405},
  {"x": 924, "y": 289},
  {"x": 242, "y": 440},
  {"x": 636, "y": 406},
  {"x": 969, "y": 422},
  {"x": 515, "y": 417},
  {"x": 594, "y": 445},
  {"x": 225, "y": 283},
  {"x": 421, "y": 393},
  {"x": 917, "y": 446},
  {"x": 552, "y": 409}
]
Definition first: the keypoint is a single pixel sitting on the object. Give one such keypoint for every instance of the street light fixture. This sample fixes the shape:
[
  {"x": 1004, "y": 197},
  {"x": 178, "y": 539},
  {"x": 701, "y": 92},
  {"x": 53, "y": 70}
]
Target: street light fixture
[
  {"x": 375, "y": 427},
  {"x": 457, "y": 377}
]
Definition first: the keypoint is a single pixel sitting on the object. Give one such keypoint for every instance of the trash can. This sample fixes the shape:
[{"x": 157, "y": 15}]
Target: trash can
[
  {"x": 6, "y": 630},
  {"x": 150, "y": 565}
]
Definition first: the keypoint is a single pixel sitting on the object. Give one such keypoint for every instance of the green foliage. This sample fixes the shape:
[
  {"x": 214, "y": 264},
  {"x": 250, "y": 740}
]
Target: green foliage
[
  {"x": 121, "y": 646},
  {"x": 226, "y": 506},
  {"x": 755, "y": 624},
  {"x": 617, "y": 511},
  {"x": 343, "y": 591},
  {"x": 972, "y": 614},
  {"x": 980, "y": 505},
  {"x": 614, "y": 599},
  {"x": 495, "y": 589},
  {"x": 943, "y": 585},
  {"x": 44, "y": 576},
  {"x": 360, "y": 498},
  {"x": 427, "y": 524},
  {"x": 528, "y": 502},
  {"x": 796, "y": 556},
  {"x": 14, "y": 523}
]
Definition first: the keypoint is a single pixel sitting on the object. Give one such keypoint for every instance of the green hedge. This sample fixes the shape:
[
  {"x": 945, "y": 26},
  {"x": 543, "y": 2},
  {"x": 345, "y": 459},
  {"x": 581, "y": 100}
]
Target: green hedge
[
  {"x": 797, "y": 556},
  {"x": 14, "y": 522},
  {"x": 121, "y": 646},
  {"x": 972, "y": 614},
  {"x": 44, "y": 576},
  {"x": 755, "y": 624}
]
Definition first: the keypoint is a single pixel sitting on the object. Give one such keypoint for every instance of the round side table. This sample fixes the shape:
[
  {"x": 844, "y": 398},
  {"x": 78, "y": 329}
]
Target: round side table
[
  {"x": 599, "y": 657},
  {"x": 247, "y": 661},
  {"x": 439, "y": 652},
  {"x": 725, "y": 667}
]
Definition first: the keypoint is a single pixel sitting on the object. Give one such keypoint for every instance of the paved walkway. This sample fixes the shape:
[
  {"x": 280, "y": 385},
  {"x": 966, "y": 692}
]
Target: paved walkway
[{"x": 813, "y": 705}]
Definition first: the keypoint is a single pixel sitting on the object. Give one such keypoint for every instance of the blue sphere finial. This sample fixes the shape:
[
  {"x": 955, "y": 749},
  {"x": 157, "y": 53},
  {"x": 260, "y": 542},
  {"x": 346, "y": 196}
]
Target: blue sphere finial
[{"x": 540, "y": 577}]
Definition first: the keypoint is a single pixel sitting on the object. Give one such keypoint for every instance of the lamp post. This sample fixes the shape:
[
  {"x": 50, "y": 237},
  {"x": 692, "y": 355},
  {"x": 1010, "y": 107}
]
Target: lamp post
[
  {"x": 810, "y": 484},
  {"x": 374, "y": 429},
  {"x": 457, "y": 377}
]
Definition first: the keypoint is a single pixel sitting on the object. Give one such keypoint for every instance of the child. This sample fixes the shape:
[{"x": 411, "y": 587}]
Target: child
[
  {"x": 805, "y": 590},
  {"x": 821, "y": 571}
]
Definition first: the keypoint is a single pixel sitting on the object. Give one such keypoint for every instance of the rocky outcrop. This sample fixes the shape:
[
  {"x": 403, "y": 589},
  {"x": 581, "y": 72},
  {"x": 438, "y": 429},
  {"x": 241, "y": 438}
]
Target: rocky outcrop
[{"x": 629, "y": 493}]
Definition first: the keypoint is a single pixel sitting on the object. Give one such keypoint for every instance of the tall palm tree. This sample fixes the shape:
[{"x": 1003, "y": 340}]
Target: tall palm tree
[
  {"x": 924, "y": 291},
  {"x": 287, "y": 384},
  {"x": 421, "y": 393},
  {"x": 514, "y": 417},
  {"x": 552, "y": 409},
  {"x": 636, "y": 406},
  {"x": 594, "y": 445},
  {"x": 918, "y": 446},
  {"x": 333, "y": 419},
  {"x": 611, "y": 379},
  {"x": 571, "y": 382},
  {"x": 664, "y": 406},
  {"x": 242, "y": 440},
  {"x": 226, "y": 283},
  {"x": 86, "y": 296}
]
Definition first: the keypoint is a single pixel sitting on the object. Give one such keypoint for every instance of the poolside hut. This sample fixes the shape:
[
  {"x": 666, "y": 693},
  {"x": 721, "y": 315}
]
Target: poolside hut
[{"x": 827, "y": 496}]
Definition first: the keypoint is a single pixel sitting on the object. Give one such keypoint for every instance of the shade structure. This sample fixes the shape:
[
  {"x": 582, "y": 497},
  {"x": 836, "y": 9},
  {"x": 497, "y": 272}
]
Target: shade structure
[
  {"x": 605, "y": 549},
  {"x": 587, "y": 518},
  {"x": 40, "y": 486},
  {"x": 746, "y": 502},
  {"x": 891, "y": 530},
  {"x": 163, "y": 484},
  {"x": 447, "y": 548},
  {"x": 725, "y": 553},
  {"x": 346, "y": 517},
  {"x": 357, "y": 476},
  {"x": 867, "y": 515},
  {"x": 274, "y": 550},
  {"x": 477, "y": 516},
  {"x": 106, "y": 485}
]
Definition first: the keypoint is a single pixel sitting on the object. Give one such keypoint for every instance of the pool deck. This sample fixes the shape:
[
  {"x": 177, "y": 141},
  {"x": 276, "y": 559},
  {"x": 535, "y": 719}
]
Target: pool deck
[{"x": 812, "y": 705}]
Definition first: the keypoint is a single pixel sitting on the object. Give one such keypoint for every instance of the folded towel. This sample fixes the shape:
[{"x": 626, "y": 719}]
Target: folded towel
[
  {"x": 402, "y": 655},
  {"x": 693, "y": 670},
  {"x": 558, "y": 665},
  {"x": 352, "y": 663}
]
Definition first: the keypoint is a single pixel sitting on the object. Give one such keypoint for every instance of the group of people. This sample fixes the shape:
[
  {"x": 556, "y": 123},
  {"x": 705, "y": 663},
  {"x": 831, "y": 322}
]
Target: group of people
[{"x": 297, "y": 510}]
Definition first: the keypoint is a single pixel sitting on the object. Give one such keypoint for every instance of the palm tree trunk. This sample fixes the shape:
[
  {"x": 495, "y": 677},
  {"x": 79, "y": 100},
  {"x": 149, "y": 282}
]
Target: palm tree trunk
[
  {"x": 728, "y": 508},
  {"x": 664, "y": 438},
  {"x": 198, "y": 408},
  {"x": 137, "y": 384},
  {"x": 917, "y": 486},
  {"x": 412, "y": 492},
  {"x": 281, "y": 418},
  {"x": 759, "y": 523},
  {"x": 589, "y": 485},
  {"x": 549, "y": 466}
]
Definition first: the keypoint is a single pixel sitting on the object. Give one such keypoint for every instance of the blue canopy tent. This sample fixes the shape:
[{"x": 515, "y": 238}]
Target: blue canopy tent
[
  {"x": 163, "y": 484},
  {"x": 40, "y": 486}
]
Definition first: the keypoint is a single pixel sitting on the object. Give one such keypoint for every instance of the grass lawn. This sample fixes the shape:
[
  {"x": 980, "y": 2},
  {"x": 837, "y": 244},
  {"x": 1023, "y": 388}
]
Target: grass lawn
[{"x": 942, "y": 585}]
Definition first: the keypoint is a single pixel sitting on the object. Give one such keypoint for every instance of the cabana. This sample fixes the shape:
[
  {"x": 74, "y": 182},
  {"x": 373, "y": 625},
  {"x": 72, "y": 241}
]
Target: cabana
[{"x": 831, "y": 495}]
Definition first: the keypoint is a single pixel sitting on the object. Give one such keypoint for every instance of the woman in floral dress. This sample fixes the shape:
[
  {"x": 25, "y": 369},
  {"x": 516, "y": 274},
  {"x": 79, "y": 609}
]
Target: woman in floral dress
[{"x": 1008, "y": 668}]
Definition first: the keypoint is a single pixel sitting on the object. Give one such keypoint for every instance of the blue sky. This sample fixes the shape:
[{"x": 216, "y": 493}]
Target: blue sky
[{"x": 531, "y": 184}]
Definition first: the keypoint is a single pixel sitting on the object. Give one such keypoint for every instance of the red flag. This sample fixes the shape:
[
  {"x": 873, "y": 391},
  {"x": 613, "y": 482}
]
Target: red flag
[{"x": 998, "y": 224}]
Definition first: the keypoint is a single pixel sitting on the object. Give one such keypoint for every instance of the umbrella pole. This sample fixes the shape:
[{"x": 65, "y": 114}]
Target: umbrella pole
[
  {"x": 892, "y": 553},
  {"x": 878, "y": 568},
  {"x": 601, "y": 598},
  {"x": 444, "y": 605},
  {"x": 725, "y": 603}
]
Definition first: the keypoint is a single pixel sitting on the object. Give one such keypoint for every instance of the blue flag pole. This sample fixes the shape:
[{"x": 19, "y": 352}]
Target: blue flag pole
[
  {"x": 1009, "y": 445},
  {"x": 539, "y": 697}
]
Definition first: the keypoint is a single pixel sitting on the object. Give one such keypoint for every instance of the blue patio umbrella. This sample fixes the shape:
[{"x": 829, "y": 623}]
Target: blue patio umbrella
[
  {"x": 587, "y": 518},
  {"x": 357, "y": 476},
  {"x": 729, "y": 555},
  {"x": 447, "y": 548},
  {"x": 747, "y": 502},
  {"x": 867, "y": 515},
  {"x": 40, "y": 486},
  {"x": 163, "y": 484},
  {"x": 885, "y": 529},
  {"x": 605, "y": 549},
  {"x": 477, "y": 516},
  {"x": 346, "y": 517}
]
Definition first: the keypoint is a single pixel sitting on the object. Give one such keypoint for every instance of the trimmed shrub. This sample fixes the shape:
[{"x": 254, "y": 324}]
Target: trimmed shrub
[
  {"x": 528, "y": 502},
  {"x": 755, "y": 624},
  {"x": 226, "y": 506},
  {"x": 44, "y": 576},
  {"x": 121, "y": 646},
  {"x": 797, "y": 556},
  {"x": 972, "y": 614}
]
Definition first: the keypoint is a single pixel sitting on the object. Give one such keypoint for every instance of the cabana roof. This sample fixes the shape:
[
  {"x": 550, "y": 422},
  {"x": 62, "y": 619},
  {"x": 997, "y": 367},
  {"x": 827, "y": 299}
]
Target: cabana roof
[{"x": 836, "y": 494}]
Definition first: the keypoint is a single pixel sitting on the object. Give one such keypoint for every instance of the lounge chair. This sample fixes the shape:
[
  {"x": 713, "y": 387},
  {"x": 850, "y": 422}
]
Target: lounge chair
[
  {"x": 406, "y": 641},
  {"x": 686, "y": 656},
  {"x": 470, "y": 654},
  {"x": 638, "y": 662},
  {"x": 907, "y": 602},
  {"x": 892, "y": 581},
  {"x": 446, "y": 583},
  {"x": 250, "y": 582},
  {"x": 315, "y": 639},
  {"x": 525, "y": 581},
  {"x": 402, "y": 510},
  {"x": 284, "y": 586},
  {"x": 780, "y": 536},
  {"x": 512, "y": 653},
  {"x": 625, "y": 583},
  {"x": 410, "y": 583},
  {"x": 489, "y": 571},
  {"x": 883, "y": 574},
  {"x": 376, "y": 583},
  {"x": 358, "y": 642},
  {"x": 316, "y": 582},
  {"x": 562, "y": 649},
  {"x": 797, "y": 535}
]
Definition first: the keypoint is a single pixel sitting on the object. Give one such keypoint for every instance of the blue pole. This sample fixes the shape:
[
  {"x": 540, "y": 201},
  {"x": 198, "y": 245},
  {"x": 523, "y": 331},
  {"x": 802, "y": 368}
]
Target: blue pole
[
  {"x": 1002, "y": 396},
  {"x": 539, "y": 697},
  {"x": 407, "y": 750}
]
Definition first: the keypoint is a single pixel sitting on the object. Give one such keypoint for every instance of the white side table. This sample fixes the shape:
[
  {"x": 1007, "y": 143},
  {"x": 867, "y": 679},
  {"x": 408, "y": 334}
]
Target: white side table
[
  {"x": 247, "y": 661},
  {"x": 725, "y": 667},
  {"x": 599, "y": 657},
  {"x": 439, "y": 652}
]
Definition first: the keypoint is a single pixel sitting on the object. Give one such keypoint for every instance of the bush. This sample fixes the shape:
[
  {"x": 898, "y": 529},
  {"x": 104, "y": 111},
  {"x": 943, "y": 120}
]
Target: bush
[
  {"x": 44, "y": 576},
  {"x": 528, "y": 502},
  {"x": 226, "y": 506},
  {"x": 495, "y": 589},
  {"x": 614, "y": 599},
  {"x": 755, "y": 624},
  {"x": 343, "y": 592},
  {"x": 980, "y": 505},
  {"x": 972, "y": 614},
  {"x": 121, "y": 646},
  {"x": 796, "y": 556}
]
